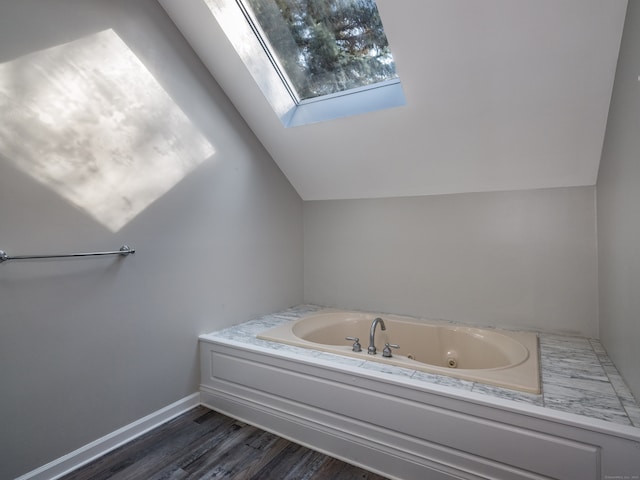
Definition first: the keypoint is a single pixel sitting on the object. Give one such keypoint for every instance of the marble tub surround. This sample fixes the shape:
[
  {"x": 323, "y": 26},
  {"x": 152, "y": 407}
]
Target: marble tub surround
[
  {"x": 575, "y": 380},
  {"x": 577, "y": 375},
  {"x": 629, "y": 403}
]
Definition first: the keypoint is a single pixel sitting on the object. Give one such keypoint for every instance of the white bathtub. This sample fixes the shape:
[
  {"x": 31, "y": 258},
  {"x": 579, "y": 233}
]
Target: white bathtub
[{"x": 496, "y": 357}]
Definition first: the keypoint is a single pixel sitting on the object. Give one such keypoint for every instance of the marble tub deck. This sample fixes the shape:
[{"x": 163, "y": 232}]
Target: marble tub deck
[{"x": 577, "y": 375}]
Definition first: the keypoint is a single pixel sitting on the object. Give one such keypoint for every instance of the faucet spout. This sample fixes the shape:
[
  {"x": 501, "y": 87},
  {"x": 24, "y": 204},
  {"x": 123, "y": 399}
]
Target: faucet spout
[{"x": 372, "y": 334}]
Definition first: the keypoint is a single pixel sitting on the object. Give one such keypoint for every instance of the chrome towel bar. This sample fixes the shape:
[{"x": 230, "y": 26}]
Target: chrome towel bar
[{"x": 124, "y": 251}]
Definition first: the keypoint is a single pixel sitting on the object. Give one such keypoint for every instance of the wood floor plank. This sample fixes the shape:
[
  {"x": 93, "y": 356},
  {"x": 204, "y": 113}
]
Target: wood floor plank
[
  {"x": 219, "y": 437},
  {"x": 337, "y": 470},
  {"x": 216, "y": 427},
  {"x": 154, "y": 442},
  {"x": 244, "y": 460},
  {"x": 203, "y": 444},
  {"x": 293, "y": 462},
  {"x": 227, "y": 457}
]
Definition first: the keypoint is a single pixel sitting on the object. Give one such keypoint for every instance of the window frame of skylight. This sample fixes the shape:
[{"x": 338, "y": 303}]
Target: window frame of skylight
[
  {"x": 366, "y": 99},
  {"x": 262, "y": 38}
]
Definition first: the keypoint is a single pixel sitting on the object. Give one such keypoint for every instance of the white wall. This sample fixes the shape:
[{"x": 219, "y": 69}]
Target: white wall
[
  {"x": 524, "y": 259},
  {"x": 87, "y": 346},
  {"x": 619, "y": 212}
]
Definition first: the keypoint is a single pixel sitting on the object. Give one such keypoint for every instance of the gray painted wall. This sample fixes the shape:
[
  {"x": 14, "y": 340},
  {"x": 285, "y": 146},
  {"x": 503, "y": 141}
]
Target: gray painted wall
[
  {"x": 619, "y": 212},
  {"x": 524, "y": 259},
  {"x": 88, "y": 346}
]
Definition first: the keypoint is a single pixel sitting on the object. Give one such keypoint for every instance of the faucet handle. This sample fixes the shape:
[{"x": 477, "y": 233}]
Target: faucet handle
[
  {"x": 386, "y": 352},
  {"x": 356, "y": 343}
]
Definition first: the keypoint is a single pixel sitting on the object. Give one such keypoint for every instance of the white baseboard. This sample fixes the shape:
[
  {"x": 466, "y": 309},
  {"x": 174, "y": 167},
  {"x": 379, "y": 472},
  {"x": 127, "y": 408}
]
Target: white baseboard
[{"x": 83, "y": 455}]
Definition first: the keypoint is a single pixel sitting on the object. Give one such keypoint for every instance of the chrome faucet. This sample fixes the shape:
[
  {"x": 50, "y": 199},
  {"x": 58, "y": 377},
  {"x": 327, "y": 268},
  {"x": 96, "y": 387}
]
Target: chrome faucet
[{"x": 372, "y": 333}]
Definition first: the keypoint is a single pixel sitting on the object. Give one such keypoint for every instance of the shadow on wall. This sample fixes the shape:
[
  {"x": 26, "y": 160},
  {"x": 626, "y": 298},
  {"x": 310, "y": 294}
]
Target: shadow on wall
[{"x": 90, "y": 122}]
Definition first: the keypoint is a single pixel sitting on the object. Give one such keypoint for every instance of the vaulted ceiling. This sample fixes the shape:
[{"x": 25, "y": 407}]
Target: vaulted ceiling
[{"x": 501, "y": 95}]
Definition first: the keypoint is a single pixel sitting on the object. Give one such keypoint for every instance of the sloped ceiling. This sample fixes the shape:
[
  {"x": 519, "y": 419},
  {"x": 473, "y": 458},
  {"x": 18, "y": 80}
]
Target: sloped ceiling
[{"x": 501, "y": 95}]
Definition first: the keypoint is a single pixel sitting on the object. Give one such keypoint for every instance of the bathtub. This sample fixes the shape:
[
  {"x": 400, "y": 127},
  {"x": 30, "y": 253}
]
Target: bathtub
[{"x": 496, "y": 357}]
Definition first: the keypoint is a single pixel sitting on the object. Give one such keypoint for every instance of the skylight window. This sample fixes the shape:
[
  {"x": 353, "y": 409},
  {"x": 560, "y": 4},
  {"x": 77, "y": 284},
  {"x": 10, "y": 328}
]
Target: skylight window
[
  {"x": 313, "y": 60},
  {"x": 322, "y": 47}
]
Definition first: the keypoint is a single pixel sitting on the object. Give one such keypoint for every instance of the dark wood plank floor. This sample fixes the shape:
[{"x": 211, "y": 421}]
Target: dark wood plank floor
[{"x": 202, "y": 444}]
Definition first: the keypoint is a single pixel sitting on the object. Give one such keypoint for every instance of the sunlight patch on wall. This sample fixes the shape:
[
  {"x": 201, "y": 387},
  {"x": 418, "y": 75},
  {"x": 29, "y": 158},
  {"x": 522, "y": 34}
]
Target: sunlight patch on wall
[{"x": 88, "y": 120}]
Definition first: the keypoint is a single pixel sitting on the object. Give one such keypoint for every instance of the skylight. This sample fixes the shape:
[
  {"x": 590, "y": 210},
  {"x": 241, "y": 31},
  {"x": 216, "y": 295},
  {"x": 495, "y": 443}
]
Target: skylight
[
  {"x": 322, "y": 47},
  {"x": 313, "y": 60}
]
